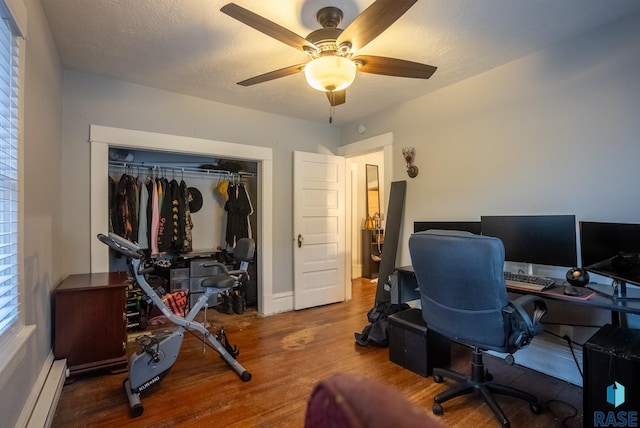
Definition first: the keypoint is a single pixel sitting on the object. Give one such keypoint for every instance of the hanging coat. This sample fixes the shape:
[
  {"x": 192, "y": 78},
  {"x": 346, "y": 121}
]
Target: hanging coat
[
  {"x": 165, "y": 229},
  {"x": 185, "y": 221},
  {"x": 238, "y": 207}
]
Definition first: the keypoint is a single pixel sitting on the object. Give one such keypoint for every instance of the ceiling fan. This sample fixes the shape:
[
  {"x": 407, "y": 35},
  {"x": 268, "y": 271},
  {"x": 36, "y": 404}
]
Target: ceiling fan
[{"x": 333, "y": 64}]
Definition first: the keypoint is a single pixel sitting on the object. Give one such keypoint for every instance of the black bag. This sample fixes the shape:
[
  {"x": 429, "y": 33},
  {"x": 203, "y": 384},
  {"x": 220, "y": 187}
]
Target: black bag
[{"x": 376, "y": 332}]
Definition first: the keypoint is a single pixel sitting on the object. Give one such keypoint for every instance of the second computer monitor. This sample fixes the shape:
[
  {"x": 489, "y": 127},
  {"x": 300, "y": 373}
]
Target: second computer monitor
[
  {"x": 600, "y": 240},
  {"x": 537, "y": 239},
  {"x": 466, "y": 226}
]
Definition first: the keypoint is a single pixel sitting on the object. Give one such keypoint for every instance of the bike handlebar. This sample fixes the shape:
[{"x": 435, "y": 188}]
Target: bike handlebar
[{"x": 121, "y": 245}]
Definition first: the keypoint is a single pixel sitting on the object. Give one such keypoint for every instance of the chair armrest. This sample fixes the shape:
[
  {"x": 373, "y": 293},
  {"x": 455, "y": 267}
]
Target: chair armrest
[
  {"x": 218, "y": 264},
  {"x": 529, "y": 323},
  {"x": 241, "y": 274},
  {"x": 533, "y": 321}
]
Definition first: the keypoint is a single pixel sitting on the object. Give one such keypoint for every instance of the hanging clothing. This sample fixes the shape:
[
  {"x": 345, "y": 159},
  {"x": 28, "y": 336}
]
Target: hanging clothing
[
  {"x": 155, "y": 213},
  {"x": 155, "y": 218},
  {"x": 185, "y": 219},
  {"x": 143, "y": 233},
  {"x": 125, "y": 221},
  {"x": 238, "y": 208},
  {"x": 165, "y": 232},
  {"x": 112, "y": 210},
  {"x": 177, "y": 205}
]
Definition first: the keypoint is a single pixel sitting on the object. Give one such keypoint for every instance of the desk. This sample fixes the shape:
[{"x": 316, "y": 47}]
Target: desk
[{"x": 408, "y": 290}]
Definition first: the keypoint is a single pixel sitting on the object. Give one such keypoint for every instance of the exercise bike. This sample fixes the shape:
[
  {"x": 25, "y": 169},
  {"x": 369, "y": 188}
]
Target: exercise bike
[{"x": 152, "y": 363}]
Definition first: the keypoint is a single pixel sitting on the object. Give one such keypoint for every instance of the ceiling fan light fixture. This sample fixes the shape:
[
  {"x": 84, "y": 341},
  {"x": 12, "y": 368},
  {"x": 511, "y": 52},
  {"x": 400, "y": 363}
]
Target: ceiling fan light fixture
[{"x": 330, "y": 73}]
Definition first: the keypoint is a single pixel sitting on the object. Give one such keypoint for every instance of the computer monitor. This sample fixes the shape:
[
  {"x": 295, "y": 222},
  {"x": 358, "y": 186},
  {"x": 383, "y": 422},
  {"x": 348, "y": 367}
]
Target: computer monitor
[
  {"x": 600, "y": 241},
  {"x": 611, "y": 249},
  {"x": 537, "y": 239},
  {"x": 467, "y": 226}
]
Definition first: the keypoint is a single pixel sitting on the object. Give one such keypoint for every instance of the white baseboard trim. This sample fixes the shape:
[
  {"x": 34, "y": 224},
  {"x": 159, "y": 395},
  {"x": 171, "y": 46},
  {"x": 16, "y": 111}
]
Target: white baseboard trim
[
  {"x": 550, "y": 355},
  {"x": 282, "y": 302},
  {"x": 356, "y": 271},
  {"x": 41, "y": 404}
]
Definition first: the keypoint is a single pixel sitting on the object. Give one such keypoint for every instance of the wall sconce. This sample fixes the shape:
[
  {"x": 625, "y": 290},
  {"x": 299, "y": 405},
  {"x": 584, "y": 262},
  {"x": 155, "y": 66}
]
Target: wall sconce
[{"x": 409, "y": 154}]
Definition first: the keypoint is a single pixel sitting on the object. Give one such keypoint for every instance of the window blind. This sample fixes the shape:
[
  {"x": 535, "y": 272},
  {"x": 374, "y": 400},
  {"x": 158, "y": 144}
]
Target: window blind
[{"x": 9, "y": 306}]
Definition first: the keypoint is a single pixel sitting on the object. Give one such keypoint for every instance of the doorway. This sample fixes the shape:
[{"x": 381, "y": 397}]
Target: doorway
[{"x": 356, "y": 153}]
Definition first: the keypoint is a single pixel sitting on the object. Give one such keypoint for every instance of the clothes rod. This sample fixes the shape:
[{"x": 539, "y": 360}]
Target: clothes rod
[{"x": 189, "y": 170}]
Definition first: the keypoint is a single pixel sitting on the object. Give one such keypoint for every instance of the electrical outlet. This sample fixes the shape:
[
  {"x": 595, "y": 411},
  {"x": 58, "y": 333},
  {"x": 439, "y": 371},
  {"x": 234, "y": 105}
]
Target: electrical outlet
[{"x": 565, "y": 330}]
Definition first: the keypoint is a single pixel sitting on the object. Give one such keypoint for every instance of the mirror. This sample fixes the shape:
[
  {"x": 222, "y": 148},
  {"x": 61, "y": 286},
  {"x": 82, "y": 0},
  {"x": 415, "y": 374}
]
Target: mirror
[{"x": 373, "y": 197}]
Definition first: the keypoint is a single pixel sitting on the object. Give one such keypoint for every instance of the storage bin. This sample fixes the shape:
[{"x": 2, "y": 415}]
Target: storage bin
[
  {"x": 180, "y": 273},
  {"x": 179, "y": 284},
  {"x": 413, "y": 346}
]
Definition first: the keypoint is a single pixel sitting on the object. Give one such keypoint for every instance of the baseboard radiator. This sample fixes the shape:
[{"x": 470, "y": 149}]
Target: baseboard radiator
[
  {"x": 43, "y": 399},
  {"x": 550, "y": 355}
]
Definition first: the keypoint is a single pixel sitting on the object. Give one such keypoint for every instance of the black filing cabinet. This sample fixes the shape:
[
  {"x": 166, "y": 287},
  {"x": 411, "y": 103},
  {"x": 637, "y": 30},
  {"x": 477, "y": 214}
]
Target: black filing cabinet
[
  {"x": 611, "y": 390},
  {"x": 413, "y": 346}
]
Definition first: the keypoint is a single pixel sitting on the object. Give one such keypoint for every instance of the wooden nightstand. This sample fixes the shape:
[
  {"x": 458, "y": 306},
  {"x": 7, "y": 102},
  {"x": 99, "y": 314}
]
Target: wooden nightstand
[{"x": 90, "y": 323}]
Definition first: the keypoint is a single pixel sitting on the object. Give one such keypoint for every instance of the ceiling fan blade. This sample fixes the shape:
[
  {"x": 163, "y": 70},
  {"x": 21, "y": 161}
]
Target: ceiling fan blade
[
  {"x": 373, "y": 21},
  {"x": 337, "y": 97},
  {"x": 293, "y": 69},
  {"x": 394, "y": 67},
  {"x": 267, "y": 27}
]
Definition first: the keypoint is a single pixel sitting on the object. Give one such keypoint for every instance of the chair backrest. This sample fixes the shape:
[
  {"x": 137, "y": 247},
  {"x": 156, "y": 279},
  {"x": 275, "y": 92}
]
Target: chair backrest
[
  {"x": 462, "y": 288},
  {"x": 244, "y": 251}
]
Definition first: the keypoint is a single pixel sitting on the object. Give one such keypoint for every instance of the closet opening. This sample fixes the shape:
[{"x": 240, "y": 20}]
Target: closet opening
[
  {"x": 157, "y": 153},
  {"x": 200, "y": 207}
]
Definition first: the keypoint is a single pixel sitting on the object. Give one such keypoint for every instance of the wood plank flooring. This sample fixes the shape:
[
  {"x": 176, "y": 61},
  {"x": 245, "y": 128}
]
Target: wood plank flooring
[{"x": 287, "y": 354}]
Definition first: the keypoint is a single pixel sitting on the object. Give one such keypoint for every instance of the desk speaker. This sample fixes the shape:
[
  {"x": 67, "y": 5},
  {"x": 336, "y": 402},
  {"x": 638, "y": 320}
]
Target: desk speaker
[{"x": 578, "y": 277}]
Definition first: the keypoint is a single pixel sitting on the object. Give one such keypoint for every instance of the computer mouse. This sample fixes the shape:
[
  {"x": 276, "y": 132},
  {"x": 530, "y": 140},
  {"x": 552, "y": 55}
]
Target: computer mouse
[{"x": 571, "y": 291}]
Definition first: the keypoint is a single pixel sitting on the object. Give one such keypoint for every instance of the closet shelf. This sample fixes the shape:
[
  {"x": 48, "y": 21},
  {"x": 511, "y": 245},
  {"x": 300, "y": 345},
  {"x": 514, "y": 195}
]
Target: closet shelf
[{"x": 161, "y": 169}]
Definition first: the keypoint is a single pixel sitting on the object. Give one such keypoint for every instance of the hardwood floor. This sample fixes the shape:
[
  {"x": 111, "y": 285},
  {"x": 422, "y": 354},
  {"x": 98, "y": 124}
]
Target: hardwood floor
[{"x": 287, "y": 354}]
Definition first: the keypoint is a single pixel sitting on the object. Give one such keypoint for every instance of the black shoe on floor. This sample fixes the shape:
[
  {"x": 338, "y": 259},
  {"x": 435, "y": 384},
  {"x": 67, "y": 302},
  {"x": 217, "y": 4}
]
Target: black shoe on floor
[
  {"x": 224, "y": 303},
  {"x": 239, "y": 302}
]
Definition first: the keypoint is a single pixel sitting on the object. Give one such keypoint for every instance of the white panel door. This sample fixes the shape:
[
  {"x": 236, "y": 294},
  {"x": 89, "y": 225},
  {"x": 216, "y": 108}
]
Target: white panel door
[{"x": 319, "y": 229}]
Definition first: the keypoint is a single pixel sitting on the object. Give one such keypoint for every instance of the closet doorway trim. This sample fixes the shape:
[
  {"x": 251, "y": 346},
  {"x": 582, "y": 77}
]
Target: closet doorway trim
[{"x": 102, "y": 138}]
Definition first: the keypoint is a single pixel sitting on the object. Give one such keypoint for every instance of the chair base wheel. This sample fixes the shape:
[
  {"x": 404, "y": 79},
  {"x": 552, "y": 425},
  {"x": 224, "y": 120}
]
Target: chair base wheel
[
  {"x": 536, "y": 408},
  {"x": 437, "y": 409},
  {"x": 488, "y": 377},
  {"x": 438, "y": 379}
]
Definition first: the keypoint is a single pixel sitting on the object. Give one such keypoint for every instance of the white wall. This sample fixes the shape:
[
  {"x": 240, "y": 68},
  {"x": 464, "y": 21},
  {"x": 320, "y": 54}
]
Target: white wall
[
  {"x": 553, "y": 133},
  {"x": 42, "y": 207},
  {"x": 91, "y": 99},
  {"x": 556, "y": 132}
]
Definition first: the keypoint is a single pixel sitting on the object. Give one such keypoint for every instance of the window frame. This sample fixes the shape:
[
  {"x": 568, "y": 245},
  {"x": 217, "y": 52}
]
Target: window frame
[{"x": 13, "y": 340}]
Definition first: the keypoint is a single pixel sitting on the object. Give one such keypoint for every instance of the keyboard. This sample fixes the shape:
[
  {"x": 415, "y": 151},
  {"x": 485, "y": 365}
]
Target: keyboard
[{"x": 529, "y": 282}]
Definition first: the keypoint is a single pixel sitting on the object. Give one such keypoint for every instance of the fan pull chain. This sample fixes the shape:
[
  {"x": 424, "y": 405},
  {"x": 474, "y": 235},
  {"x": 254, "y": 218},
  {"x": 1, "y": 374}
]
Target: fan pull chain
[{"x": 331, "y": 109}]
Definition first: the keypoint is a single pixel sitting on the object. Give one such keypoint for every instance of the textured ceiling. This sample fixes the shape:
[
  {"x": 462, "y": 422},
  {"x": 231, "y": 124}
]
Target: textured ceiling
[{"x": 190, "y": 47}]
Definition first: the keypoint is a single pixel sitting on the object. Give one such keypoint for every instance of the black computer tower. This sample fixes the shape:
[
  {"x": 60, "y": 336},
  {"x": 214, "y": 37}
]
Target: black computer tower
[{"x": 611, "y": 389}]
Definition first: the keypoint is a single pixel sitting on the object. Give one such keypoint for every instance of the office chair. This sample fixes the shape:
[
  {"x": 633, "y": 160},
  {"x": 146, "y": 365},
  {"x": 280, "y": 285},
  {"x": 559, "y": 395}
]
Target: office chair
[
  {"x": 231, "y": 280},
  {"x": 464, "y": 297}
]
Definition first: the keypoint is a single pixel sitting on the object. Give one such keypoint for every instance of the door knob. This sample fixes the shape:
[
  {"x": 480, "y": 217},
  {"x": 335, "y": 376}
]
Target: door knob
[{"x": 300, "y": 239}]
